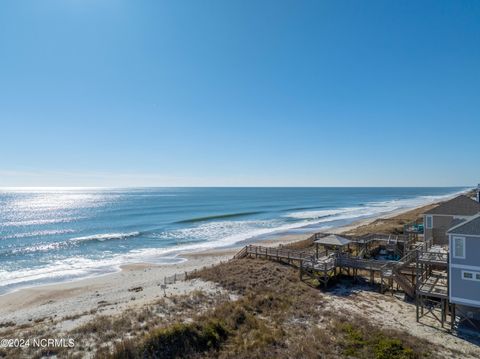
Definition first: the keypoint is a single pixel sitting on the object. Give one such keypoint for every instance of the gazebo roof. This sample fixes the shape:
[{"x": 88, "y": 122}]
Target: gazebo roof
[{"x": 333, "y": 240}]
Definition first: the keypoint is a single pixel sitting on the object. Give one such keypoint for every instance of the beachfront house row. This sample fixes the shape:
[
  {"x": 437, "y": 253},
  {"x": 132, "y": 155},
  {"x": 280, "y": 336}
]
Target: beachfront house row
[
  {"x": 440, "y": 219},
  {"x": 464, "y": 266}
]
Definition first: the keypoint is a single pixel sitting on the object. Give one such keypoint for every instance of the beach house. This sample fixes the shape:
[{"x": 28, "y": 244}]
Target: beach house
[
  {"x": 440, "y": 219},
  {"x": 464, "y": 266}
]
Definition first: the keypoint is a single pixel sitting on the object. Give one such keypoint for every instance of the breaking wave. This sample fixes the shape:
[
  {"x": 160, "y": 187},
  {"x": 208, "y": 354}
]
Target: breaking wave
[
  {"x": 219, "y": 216},
  {"x": 105, "y": 237}
]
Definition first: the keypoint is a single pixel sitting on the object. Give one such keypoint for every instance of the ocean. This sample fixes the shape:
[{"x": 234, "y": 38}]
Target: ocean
[{"x": 53, "y": 235}]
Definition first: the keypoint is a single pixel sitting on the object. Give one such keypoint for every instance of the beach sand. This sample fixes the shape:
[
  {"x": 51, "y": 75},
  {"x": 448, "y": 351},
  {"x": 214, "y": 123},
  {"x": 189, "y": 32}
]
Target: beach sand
[
  {"x": 115, "y": 292},
  {"x": 131, "y": 287}
]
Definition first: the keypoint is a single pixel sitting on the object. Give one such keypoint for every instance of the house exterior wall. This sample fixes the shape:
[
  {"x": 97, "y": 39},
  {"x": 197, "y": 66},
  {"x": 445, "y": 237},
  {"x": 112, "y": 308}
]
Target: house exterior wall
[
  {"x": 427, "y": 232},
  {"x": 440, "y": 225},
  {"x": 465, "y": 291}
]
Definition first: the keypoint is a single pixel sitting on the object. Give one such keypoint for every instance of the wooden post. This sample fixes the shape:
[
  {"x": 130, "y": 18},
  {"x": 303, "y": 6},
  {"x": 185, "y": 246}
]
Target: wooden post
[
  {"x": 325, "y": 274},
  {"x": 381, "y": 282},
  {"x": 452, "y": 317},
  {"x": 443, "y": 312},
  {"x": 417, "y": 286},
  {"x": 416, "y": 307}
]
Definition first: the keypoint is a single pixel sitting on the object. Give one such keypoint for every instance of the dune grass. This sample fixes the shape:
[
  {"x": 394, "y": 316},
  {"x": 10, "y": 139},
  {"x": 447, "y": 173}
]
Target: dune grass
[{"x": 277, "y": 316}]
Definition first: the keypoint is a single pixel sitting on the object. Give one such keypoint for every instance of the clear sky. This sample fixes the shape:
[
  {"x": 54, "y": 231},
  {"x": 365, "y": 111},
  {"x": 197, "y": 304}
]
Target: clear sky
[{"x": 242, "y": 93}]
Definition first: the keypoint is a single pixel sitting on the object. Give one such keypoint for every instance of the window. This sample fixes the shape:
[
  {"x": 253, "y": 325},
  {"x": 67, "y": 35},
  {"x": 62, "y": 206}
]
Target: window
[
  {"x": 467, "y": 275},
  {"x": 459, "y": 247},
  {"x": 429, "y": 222}
]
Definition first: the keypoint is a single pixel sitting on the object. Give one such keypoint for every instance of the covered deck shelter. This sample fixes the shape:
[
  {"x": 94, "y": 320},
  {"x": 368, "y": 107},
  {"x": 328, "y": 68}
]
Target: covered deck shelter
[{"x": 331, "y": 242}]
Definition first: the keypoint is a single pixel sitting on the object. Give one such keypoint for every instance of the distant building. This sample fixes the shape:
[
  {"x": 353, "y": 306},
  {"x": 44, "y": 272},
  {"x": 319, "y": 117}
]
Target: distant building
[
  {"x": 440, "y": 219},
  {"x": 464, "y": 264}
]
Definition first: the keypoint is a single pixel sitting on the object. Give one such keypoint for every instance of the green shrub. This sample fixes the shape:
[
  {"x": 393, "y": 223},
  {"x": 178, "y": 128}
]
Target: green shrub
[
  {"x": 176, "y": 341},
  {"x": 361, "y": 341},
  {"x": 387, "y": 348}
]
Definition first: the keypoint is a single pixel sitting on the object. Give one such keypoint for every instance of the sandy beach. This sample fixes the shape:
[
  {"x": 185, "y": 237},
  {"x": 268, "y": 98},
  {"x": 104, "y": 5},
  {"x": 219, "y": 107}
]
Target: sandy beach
[
  {"x": 132, "y": 287},
  {"x": 115, "y": 292}
]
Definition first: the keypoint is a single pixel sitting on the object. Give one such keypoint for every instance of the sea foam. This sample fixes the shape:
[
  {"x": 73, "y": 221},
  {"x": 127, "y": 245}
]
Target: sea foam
[{"x": 105, "y": 237}]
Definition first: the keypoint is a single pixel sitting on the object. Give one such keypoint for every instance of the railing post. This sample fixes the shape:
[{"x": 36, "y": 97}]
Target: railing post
[{"x": 417, "y": 303}]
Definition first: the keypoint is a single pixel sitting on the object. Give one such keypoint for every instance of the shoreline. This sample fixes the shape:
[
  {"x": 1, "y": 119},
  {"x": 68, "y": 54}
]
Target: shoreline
[
  {"x": 213, "y": 253},
  {"x": 132, "y": 286},
  {"x": 182, "y": 255}
]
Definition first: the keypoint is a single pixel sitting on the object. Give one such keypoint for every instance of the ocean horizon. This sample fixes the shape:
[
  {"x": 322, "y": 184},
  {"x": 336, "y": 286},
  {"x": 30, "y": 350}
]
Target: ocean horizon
[{"x": 50, "y": 235}]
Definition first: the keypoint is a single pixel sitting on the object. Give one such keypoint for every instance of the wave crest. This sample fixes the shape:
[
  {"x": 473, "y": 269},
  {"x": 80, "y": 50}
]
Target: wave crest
[
  {"x": 105, "y": 237},
  {"x": 217, "y": 216}
]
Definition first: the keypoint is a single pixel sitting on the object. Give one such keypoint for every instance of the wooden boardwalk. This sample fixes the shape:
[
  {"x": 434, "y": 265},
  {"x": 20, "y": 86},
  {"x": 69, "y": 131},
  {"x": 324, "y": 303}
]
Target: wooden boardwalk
[
  {"x": 286, "y": 254},
  {"x": 324, "y": 267},
  {"x": 420, "y": 272}
]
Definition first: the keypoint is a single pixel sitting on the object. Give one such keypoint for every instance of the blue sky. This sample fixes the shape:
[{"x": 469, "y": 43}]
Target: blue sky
[{"x": 239, "y": 93}]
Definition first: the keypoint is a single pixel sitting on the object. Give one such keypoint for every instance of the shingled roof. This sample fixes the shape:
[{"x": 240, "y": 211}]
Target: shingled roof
[
  {"x": 333, "y": 240},
  {"x": 458, "y": 206},
  {"x": 471, "y": 227}
]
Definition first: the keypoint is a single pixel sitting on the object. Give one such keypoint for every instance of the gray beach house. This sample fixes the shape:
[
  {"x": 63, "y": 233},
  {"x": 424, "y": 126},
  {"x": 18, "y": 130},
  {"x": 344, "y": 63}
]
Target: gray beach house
[
  {"x": 464, "y": 266},
  {"x": 440, "y": 219}
]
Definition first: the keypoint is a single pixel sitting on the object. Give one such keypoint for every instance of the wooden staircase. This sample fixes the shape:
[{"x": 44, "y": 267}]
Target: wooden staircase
[
  {"x": 393, "y": 272},
  {"x": 392, "y": 246},
  {"x": 241, "y": 254}
]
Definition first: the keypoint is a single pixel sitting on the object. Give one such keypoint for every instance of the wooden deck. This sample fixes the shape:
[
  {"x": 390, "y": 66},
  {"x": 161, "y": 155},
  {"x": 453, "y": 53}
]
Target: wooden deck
[
  {"x": 435, "y": 255},
  {"x": 275, "y": 253},
  {"x": 420, "y": 272},
  {"x": 435, "y": 286},
  {"x": 325, "y": 266},
  {"x": 322, "y": 265},
  {"x": 360, "y": 263}
]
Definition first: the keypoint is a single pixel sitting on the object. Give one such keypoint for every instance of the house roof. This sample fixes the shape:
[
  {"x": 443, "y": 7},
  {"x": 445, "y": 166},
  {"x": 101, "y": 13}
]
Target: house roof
[
  {"x": 470, "y": 227},
  {"x": 333, "y": 240},
  {"x": 455, "y": 222},
  {"x": 458, "y": 206}
]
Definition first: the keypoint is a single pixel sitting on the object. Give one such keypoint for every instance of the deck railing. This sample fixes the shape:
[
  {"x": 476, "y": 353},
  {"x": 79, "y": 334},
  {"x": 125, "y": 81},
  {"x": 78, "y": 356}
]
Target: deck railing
[
  {"x": 346, "y": 260},
  {"x": 280, "y": 253}
]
